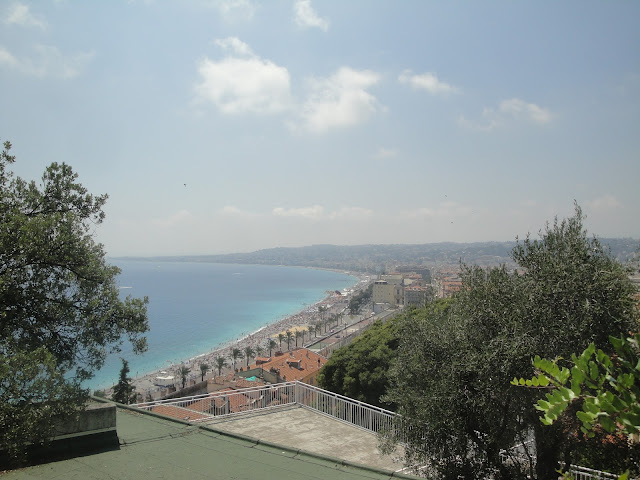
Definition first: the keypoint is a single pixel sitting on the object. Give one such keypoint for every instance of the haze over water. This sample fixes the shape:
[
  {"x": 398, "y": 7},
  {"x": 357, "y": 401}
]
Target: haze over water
[{"x": 194, "y": 307}]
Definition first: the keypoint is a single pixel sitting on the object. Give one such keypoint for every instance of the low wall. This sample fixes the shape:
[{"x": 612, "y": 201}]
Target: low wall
[{"x": 91, "y": 430}]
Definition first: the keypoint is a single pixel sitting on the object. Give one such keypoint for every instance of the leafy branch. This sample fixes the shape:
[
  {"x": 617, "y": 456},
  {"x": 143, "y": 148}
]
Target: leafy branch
[{"x": 609, "y": 387}]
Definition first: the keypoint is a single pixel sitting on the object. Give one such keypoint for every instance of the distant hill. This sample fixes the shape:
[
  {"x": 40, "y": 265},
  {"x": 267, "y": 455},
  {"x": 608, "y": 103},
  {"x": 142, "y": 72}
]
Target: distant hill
[{"x": 377, "y": 258}]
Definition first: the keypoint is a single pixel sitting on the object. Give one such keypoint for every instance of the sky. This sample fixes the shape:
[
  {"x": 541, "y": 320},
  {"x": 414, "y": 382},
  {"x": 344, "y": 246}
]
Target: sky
[{"x": 219, "y": 126}]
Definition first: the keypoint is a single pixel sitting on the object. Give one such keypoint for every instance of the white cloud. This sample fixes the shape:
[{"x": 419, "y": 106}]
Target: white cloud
[
  {"x": 519, "y": 108},
  {"x": 314, "y": 212},
  {"x": 341, "y": 100},
  {"x": 180, "y": 218},
  {"x": 605, "y": 202},
  {"x": 317, "y": 212},
  {"x": 305, "y": 16},
  {"x": 385, "y": 153},
  {"x": 236, "y": 45},
  {"x": 351, "y": 213},
  {"x": 244, "y": 82},
  {"x": 48, "y": 62},
  {"x": 20, "y": 15},
  {"x": 426, "y": 81},
  {"x": 6, "y": 58},
  {"x": 233, "y": 211},
  {"x": 232, "y": 10},
  {"x": 445, "y": 210},
  {"x": 509, "y": 111}
]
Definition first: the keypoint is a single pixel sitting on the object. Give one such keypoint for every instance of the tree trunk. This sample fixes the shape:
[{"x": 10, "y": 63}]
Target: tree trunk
[{"x": 548, "y": 450}]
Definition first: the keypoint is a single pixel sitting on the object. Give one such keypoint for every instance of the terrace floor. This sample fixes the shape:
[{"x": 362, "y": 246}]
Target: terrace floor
[{"x": 299, "y": 427}]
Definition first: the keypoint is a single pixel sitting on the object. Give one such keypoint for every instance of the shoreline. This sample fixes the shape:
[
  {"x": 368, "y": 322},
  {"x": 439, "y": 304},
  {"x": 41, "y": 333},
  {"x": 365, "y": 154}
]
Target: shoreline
[{"x": 145, "y": 383}]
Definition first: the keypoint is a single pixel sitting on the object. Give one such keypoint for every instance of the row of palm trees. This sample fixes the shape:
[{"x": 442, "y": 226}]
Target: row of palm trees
[{"x": 250, "y": 352}]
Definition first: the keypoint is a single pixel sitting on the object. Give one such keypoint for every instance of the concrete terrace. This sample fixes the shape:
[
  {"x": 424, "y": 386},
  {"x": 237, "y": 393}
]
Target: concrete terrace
[
  {"x": 291, "y": 443},
  {"x": 299, "y": 427}
]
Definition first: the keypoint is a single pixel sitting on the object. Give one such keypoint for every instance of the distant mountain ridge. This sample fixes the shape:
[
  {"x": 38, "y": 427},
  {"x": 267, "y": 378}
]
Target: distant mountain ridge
[{"x": 376, "y": 258}]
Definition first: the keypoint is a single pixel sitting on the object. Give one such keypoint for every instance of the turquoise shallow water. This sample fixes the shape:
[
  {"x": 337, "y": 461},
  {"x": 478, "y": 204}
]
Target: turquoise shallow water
[{"x": 194, "y": 307}]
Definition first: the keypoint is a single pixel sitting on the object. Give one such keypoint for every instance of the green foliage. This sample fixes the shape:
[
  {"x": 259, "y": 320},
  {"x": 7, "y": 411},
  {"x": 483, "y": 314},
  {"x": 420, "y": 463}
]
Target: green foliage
[
  {"x": 221, "y": 362},
  {"x": 608, "y": 387},
  {"x": 236, "y": 353},
  {"x": 271, "y": 344},
  {"x": 359, "y": 370},
  {"x": 123, "y": 391},
  {"x": 360, "y": 299},
  {"x": 183, "y": 373},
  {"x": 451, "y": 379},
  {"x": 60, "y": 305},
  {"x": 204, "y": 368},
  {"x": 33, "y": 392},
  {"x": 248, "y": 353}
]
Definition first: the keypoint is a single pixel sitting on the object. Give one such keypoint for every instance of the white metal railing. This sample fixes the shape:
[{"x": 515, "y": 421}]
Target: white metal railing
[
  {"x": 198, "y": 408},
  {"x": 584, "y": 473},
  {"x": 345, "y": 409},
  {"x": 201, "y": 408}
]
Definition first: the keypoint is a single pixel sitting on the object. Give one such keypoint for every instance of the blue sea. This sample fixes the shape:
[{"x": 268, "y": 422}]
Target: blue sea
[{"x": 195, "y": 307}]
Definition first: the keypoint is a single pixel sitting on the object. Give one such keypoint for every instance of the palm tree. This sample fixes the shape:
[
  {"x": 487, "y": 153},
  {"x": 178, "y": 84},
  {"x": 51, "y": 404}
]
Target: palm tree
[
  {"x": 221, "y": 362},
  {"x": 272, "y": 344},
  {"x": 321, "y": 310},
  {"x": 259, "y": 350},
  {"x": 236, "y": 353},
  {"x": 248, "y": 353},
  {"x": 183, "y": 371},
  {"x": 281, "y": 337},
  {"x": 289, "y": 337},
  {"x": 318, "y": 328},
  {"x": 297, "y": 335},
  {"x": 311, "y": 329},
  {"x": 204, "y": 368}
]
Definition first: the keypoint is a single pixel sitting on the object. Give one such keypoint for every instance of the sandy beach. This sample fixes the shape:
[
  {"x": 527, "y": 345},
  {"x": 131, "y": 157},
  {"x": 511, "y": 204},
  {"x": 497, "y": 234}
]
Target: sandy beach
[{"x": 334, "y": 303}]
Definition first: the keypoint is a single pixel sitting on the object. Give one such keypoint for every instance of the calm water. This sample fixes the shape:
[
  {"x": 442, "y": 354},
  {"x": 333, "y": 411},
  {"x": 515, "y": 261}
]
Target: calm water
[{"x": 194, "y": 307}]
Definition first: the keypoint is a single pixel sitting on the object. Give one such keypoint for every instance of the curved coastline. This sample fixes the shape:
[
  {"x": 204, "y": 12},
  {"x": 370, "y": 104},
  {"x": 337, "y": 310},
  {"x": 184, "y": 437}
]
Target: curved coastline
[{"x": 145, "y": 383}]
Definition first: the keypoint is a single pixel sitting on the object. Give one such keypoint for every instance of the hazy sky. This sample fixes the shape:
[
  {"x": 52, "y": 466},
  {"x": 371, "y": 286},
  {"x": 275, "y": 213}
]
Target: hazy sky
[{"x": 230, "y": 126}]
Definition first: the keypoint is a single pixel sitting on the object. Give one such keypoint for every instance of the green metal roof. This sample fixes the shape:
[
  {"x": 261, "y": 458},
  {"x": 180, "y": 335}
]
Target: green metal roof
[{"x": 152, "y": 446}]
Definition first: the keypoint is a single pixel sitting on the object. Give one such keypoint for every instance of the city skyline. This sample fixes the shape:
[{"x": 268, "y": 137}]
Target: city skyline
[{"x": 233, "y": 126}]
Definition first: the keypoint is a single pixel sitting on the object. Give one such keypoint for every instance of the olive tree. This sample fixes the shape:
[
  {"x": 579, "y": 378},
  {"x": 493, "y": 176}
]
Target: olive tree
[
  {"x": 451, "y": 380},
  {"x": 61, "y": 313}
]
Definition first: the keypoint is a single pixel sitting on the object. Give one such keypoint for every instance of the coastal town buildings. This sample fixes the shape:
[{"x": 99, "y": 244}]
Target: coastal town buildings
[
  {"x": 301, "y": 364},
  {"x": 400, "y": 290}
]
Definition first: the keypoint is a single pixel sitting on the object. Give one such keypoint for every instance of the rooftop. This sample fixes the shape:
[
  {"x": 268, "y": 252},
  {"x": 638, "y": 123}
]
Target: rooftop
[{"x": 289, "y": 443}]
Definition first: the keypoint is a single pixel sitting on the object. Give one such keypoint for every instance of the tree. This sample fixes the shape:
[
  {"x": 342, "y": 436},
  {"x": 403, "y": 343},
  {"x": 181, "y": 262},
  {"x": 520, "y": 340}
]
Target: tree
[
  {"x": 272, "y": 344},
  {"x": 204, "y": 368},
  {"x": 221, "y": 362},
  {"x": 451, "y": 379},
  {"x": 322, "y": 310},
  {"x": 183, "y": 373},
  {"x": 59, "y": 301},
  {"x": 298, "y": 334},
  {"x": 360, "y": 299},
  {"x": 259, "y": 350},
  {"x": 236, "y": 353},
  {"x": 281, "y": 337},
  {"x": 359, "y": 370},
  {"x": 609, "y": 389},
  {"x": 310, "y": 329},
  {"x": 123, "y": 391},
  {"x": 248, "y": 353},
  {"x": 289, "y": 335},
  {"x": 600, "y": 391}
]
